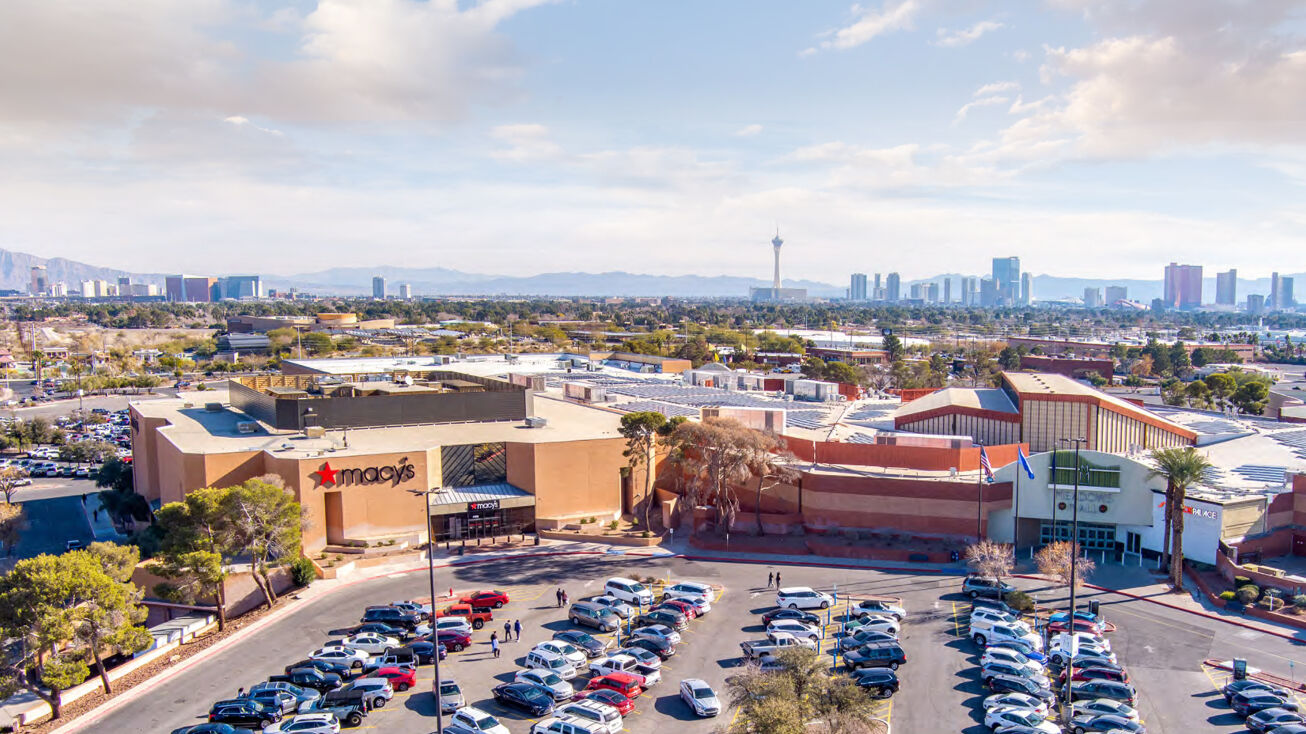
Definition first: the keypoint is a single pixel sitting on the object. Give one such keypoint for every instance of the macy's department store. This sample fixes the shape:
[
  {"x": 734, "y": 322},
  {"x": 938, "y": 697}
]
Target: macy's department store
[{"x": 383, "y": 459}]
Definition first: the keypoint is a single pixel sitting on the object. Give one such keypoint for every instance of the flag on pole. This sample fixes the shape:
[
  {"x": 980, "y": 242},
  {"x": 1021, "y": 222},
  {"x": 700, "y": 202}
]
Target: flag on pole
[
  {"x": 1020, "y": 457},
  {"x": 985, "y": 466}
]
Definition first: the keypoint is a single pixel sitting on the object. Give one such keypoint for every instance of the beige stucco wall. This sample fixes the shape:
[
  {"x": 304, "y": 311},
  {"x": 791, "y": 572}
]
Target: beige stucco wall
[{"x": 572, "y": 478}]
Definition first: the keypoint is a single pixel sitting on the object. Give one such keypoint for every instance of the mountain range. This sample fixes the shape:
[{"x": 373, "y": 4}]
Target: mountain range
[{"x": 15, "y": 273}]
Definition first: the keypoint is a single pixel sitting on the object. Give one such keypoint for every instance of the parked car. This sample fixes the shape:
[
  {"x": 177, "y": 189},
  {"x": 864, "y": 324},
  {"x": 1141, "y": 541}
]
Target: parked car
[
  {"x": 797, "y": 629},
  {"x": 608, "y": 696},
  {"x": 560, "y": 689},
  {"x": 532, "y": 699},
  {"x": 454, "y": 641},
  {"x": 594, "y": 615},
  {"x": 656, "y": 645},
  {"x": 1113, "y": 673},
  {"x": 1249, "y": 702},
  {"x": 682, "y": 606},
  {"x": 314, "y": 723},
  {"x": 370, "y": 642},
  {"x": 400, "y": 677},
  {"x": 372, "y": 692},
  {"x": 1248, "y": 684},
  {"x": 1099, "y": 706},
  {"x": 493, "y": 598},
  {"x": 1019, "y": 684},
  {"x": 690, "y": 590},
  {"x": 623, "y": 683},
  {"x": 589, "y": 644},
  {"x": 1103, "y": 689},
  {"x": 243, "y": 712},
  {"x": 629, "y": 591},
  {"x": 1000, "y": 668},
  {"x": 1085, "y": 723},
  {"x": 879, "y": 682},
  {"x": 566, "y": 725},
  {"x": 666, "y": 617},
  {"x": 643, "y": 656},
  {"x": 864, "y": 637},
  {"x": 785, "y": 613},
  {"x": 282, "y": 701},
  {"x": 339, "y": 654},
  {"x": 573, "y": 654},
  {"x": 1080, "y": 625},
  {"x": 803, "y": 597},
  {"x": 977, "y": 586},
  {"x": 450, "y": 695},
  {"x": 1264, "y": 721},
  {"x": 879, "y": 606},
  {"x": 880, "y": 655},
  {"x": 309, "y": 678},
  {"x": 617, "y": 606},
  {"x": 658, "y": 631},
  {"x": 999, "y": 632},
  {"x": 551, "y": 661},
  {"x": 699, "y": 697},
  {"x": 472, "y": 719},
  {"x": 1000, "y": 718},
  {"x": 596, "y": 713},
  {"x": 1017, "y": 700},
  {"x": 1011, "y": 657},
  {"x": 301, "y": 695}
]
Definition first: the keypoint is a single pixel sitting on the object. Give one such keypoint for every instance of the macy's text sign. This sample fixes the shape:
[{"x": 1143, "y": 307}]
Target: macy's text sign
[{"x": 325, "y": 476}]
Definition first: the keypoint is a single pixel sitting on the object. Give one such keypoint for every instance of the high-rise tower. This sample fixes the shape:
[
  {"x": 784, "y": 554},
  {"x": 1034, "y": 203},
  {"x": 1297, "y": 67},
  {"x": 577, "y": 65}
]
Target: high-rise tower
[{"x": 776, "y": 242}]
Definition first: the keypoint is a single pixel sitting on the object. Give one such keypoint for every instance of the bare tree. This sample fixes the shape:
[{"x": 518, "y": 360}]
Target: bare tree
[
  {"x": 988, "y": 558},
  {"x": 9, "y": 478},
  {"x": 1054, "y": 560},
  {"x": 719, "y": 454}
]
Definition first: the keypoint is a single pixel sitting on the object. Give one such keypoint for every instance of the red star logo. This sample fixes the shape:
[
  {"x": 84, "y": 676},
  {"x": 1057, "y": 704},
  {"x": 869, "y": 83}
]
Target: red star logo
[{"x": 325, "y": 475}]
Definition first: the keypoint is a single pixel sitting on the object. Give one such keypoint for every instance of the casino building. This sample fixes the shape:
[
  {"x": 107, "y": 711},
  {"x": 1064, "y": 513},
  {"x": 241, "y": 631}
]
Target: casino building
[{"x": 382, "y": 456}]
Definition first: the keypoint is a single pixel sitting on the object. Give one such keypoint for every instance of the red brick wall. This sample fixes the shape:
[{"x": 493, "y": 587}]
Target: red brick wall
[
  {"x": 907, "y": 457},
  {"x": 900, "y": 505},
  {"x": 913, "y": 393}
]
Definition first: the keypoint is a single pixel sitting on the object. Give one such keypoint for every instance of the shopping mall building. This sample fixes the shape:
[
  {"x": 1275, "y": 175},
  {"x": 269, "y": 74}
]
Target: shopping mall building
[{"x": 380, "y": 457}]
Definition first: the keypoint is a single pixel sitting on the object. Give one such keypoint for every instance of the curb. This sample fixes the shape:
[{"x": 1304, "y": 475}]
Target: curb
[{"x": 761, "y": 561}]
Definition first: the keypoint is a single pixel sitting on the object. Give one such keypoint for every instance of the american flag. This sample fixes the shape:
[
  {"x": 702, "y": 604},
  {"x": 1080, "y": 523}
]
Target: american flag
[{"x": 985, "y": 466}]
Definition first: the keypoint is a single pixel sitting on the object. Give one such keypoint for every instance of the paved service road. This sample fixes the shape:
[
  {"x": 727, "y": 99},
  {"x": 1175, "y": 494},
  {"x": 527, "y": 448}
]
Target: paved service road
[{"x": 1162, "y": 649}]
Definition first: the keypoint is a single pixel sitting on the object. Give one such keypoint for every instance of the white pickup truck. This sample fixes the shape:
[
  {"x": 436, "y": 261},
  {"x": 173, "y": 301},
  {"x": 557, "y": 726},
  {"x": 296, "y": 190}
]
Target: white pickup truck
[
  {"x": 774, "y": 641},
  {"x": 626, "y": 664}
]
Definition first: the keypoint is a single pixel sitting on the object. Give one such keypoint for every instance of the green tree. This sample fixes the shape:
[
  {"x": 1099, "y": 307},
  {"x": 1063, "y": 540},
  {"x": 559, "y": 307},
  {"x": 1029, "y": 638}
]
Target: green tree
[
  {"x": 106, "y": 613},
  {"x": 893, "y": 348},
  {"x": 1009, "y": 359},
  {"x": 195, "y": 548},
  {"x": 800, "y": 694},
  {"x": 1181, "y": 468},
  {"x": 266, "y": 524},
  {"x": 1221, "y": 387},
  {"x": 1198, "y": 394},
  {"x": 841, "y": 372},
  {"x": 10, "y": 476},
  {"x": 814, "y": 368},
  {"x": 317, "y": 343},
  {"x": 12, "y": 523},
  {"x": 87, "y": 452},
  {"x": 1250, "y": 397},
  {"x": 640, "y": 430}
]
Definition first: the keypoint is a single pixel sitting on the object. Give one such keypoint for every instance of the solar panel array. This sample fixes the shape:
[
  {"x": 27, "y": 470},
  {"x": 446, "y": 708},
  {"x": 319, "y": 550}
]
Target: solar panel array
[
  {"x": 652, "y": 406},
  {"x": 861, "y": 438},
  {"x": 1262, "y": 473},
  {"x": 1295, "y": 440}
]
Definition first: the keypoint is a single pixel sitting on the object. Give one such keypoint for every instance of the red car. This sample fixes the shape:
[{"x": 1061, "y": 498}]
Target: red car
[
  {"x": 1118, "y": 676},
  {"x": 612, "y": 698},
  {"x": 454, "y": 640},
  {"x": 678, "y": 605},
  {"x": 401, "y": 678},
  {"x": 484, "y": 598},
  {"x": 623, "y": 683},
  {"x": 1081, "y": 625}
]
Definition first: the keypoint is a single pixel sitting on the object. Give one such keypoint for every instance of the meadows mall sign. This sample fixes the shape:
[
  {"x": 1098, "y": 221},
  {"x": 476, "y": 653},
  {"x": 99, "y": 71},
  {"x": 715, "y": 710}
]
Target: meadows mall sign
[{"x": 326, "y": 476}]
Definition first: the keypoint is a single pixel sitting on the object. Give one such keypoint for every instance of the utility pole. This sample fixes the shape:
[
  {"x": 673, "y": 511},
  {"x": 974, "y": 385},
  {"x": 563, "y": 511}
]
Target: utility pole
[{"x": 1074, "y": 558}]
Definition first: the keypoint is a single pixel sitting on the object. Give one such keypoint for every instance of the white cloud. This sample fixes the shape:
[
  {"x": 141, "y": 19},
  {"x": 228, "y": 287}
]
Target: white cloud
[
  {"x": 980, "y": 102},
  {"x": 964, "y": 36},
  {"x": 526, "y": 142},
  {"x": 748, "y": 131},
  {"x": 240, "y": 121},
  {"x": 894, "y": 15},
  {"x": 997, "y": 88}
]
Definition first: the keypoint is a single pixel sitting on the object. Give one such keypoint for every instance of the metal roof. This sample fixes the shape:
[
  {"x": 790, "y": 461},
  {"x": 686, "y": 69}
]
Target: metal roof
[{"x": 508, "y": 495}]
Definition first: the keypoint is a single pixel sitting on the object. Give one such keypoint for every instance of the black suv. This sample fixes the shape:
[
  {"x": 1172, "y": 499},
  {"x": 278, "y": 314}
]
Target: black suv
[
  {"x": 243, "y": 712},
  {"x": 310, "y": 678},
  {"x": 876, "y": 655},
  {"x": 977, "y": 586},
  {"x": 391, "y": 616},
  {"x": 879, "y": 682}
]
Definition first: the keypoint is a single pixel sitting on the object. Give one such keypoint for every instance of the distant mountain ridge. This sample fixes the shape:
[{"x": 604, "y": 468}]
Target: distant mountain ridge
[{"x": 15, "y": 273}]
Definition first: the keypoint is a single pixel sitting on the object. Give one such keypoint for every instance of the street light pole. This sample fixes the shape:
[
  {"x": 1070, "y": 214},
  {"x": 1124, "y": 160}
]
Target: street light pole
[
  {"x": 1074, "y": 558},
  {"x": 435, "y": 635}
]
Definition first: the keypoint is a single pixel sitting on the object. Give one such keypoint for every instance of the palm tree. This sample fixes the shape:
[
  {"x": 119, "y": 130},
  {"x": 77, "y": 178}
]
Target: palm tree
[{"x": 1182, "y": 468}]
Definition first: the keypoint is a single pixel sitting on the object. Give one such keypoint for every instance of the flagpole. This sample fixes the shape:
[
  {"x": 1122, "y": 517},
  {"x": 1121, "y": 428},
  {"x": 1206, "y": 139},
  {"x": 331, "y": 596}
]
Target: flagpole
[{"x": 1015, "y": 513}]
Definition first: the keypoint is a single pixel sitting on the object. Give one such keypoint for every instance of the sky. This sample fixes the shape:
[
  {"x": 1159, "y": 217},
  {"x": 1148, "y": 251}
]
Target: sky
[{"x": 1091, "y": 138}]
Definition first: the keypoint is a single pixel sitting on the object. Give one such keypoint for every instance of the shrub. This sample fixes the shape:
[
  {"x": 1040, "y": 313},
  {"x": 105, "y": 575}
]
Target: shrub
[
  {"x": 645, "y": 534},
  {"x": 613, "y": 525},
  {"x": 1020, "y": 601},
  {"x": 1227, "y": 595},
  {"x": 1248, "y": 593},
  {"x": 1241, "y": 581},
  {"x": 1299, "y": 601},
  {"x": 302, "y": 571}
]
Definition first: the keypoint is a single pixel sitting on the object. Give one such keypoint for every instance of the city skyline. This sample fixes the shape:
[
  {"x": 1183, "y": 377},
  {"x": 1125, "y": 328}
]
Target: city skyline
[{"x": 292, "y": 134}]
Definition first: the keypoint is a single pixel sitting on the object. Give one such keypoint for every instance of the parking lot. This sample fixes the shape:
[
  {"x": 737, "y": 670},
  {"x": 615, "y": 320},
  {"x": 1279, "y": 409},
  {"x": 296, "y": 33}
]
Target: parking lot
[{"x": 1162, "y": 650}]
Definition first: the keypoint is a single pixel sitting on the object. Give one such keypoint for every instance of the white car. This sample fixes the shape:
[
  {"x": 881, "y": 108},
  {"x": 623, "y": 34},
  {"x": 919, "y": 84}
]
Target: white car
[
  {"x": 343, "y": 655},
  {"x": 1099, "y": 706},
  {"x": 628, "y": 590},
  {"x": 370, "y": 642},
  {"x": 658, "y": 631},
  {"x": 606, "y": 718},
  {"x": 1014, "y": 700},
  {"x": 795, "y": 628},
  {"x": 1007, "y": 632},
  {"x": 312, "y": 723},
  {"x": 880, "y": 606},
  {"x": 803, "y": 597},
  {"x": 618, "y": 607},
  {"x": 643, "y": 656},
  {"x": 376, "y": 691},
  {"x": 996, "y": 615},
  {"x": 566, "y": 725},
  {"x": 1010, "y": 657},
  {"x": 1001, "y": 718},
  {"x": 700, "y": 697},
  {"x": 568, "y": 651},
  {"x": 560, "y": 688},
  {"x": 1060, "y": 652},
  {"x": 690, "y": 590},
  {"x": 885, "y": 624},
  {"x": 471, "y": 718},
  {"x": 444, "y": 624},
  {"x": 982, "y": 622},
  {"x": 551, "y": 661}
]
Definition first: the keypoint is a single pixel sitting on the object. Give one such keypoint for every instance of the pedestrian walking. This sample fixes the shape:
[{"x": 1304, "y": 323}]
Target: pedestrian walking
[
  {"x": 507, "y": 631},
  {"x": 777, "y": 579},
  {"x": 564, "y": 596},
  {"x": 558, "y": 594},
  {"x": 770, "y": 579},
  {"x": 494, "y": 643},
  {"x": 516, "y": 629}
]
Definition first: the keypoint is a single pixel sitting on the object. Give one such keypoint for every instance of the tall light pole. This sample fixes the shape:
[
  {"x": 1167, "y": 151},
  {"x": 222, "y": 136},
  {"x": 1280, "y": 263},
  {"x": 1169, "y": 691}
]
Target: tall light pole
[
  {"x": 1074, "y": 558},
  {"x": 435, "y": 635}
]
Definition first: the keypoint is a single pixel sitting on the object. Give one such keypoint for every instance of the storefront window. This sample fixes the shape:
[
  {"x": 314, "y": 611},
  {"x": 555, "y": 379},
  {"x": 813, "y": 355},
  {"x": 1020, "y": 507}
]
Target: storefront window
[{"x": 472, "y": 464}]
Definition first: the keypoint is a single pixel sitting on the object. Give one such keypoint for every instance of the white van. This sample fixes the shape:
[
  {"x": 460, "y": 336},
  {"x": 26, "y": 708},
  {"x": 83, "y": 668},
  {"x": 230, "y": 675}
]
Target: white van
[
  {"x": 629, "y": 591},
  {"x": 549, "y": 660},
  {"x": 598, "y": 714}
]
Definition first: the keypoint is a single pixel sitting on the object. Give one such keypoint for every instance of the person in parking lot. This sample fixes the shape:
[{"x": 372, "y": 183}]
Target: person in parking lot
[
  {"x": 770, "y": 579},
  {"x": 516, "y": 630},
  {"x": 558, "y": 594},
  {"x": 777, "y": 579},
  {"x": 507, "y": 631},
  {"x": 494, "y": 643}
]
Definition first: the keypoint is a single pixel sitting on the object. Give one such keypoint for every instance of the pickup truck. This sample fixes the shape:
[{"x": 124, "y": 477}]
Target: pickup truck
[
  {"x": 478, "y": 616},
  {"x": 774, "y": 641},
  {"x": 349, "y": 714},
  {"x": 626, "y": 664}
]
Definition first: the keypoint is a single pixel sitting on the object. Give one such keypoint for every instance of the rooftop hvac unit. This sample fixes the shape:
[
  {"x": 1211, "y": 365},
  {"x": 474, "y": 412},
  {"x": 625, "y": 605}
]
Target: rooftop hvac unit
[
  {"x": 315, "y": 431},
  {"x": 247, "y": 427},
  {"x": 213, "y": 407},
  {"x": 536, "y": 422}
]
